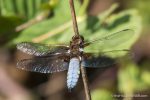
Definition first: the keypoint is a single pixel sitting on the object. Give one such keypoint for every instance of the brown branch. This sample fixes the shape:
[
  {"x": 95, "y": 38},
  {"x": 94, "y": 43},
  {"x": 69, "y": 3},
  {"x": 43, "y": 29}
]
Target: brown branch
[
  {"x": 83, "y": 71},
  {"x": 75, "y": 26},
  {"x": 85, "y": 82}
]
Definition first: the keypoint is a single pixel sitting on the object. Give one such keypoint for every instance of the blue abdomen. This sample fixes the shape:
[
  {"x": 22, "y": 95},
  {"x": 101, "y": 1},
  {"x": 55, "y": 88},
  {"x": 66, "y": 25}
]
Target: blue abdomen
[{"x": 73, "y": 73}]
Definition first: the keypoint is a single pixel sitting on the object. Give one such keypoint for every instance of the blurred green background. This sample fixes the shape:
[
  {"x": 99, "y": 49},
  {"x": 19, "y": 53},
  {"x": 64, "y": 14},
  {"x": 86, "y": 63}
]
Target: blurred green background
[{"x": 49, "y": 21}]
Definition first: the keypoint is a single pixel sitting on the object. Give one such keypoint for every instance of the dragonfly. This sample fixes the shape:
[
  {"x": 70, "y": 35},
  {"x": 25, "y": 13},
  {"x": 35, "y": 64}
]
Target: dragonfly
[{"x": 56, "y": 58}]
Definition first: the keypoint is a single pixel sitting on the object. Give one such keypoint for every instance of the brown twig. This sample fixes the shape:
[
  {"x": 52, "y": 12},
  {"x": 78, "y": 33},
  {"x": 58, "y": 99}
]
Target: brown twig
[
  {"x": 83, "y": 70},
  {"x": 85, "y": 82},
  {"x": 75, "y": 26}
]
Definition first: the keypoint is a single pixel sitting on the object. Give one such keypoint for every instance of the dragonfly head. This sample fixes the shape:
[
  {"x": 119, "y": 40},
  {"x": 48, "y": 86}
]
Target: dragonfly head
[{"x": 78, "y": 40}]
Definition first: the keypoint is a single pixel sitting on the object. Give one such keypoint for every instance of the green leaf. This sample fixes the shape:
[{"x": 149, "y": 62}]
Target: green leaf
[
  {"x": 143, "y": 7},
  {"x": 115, "y": 23},
  {"x": 59, "y": 29},
  {"x": 7, "y": 26},
  {"x": 101, "y": 95},
  {"x": 146, "y": 77},
  {"x": 26, "y": 9},
  {"x": 145, "y": 69},
  {"x": 61, "y": 17},
  {"x": 130, "y": 73},
  {"x": 15, "y": 12}
]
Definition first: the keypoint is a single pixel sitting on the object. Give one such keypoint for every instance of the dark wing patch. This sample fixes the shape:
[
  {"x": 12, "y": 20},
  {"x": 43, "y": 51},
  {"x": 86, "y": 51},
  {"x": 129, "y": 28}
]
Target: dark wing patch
[
  {"x": 43, "y": 65},
  {"x": 100, "y": 61},
  {"x": 41, "y": 49}
]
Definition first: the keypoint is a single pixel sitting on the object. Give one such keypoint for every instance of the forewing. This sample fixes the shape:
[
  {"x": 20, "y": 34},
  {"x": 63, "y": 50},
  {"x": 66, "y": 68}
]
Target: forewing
[
  {"x": 43, "y": 64},
  {"x": 111, "y": 41},
  {"x": 96, "y": 60},
  {"x": 41, "y": 49}
]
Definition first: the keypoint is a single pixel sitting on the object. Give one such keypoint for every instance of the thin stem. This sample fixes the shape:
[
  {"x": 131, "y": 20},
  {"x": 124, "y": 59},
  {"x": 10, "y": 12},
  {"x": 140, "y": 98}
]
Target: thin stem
[
  {"x": 75, "y": 26},
  {"x": 85, "y": 82},
  {"x": 83, "y": 71}
]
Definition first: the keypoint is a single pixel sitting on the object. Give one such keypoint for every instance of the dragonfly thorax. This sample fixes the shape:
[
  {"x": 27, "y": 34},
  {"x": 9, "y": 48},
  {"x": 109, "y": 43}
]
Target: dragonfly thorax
[{"x": 76, "y": 46}]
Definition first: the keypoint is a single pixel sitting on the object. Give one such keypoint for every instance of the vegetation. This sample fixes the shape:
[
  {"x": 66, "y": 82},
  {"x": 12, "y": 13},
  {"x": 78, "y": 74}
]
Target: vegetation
[{"x": 49, "y": 21}]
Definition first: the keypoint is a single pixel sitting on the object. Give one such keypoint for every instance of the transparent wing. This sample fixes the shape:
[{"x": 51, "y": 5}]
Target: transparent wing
[
  {"x": 41, "y": 49},
  {"x": 43, "y": 64},
  {"x": 95, "y": 60},
  {"x": 111, "y": 41}
]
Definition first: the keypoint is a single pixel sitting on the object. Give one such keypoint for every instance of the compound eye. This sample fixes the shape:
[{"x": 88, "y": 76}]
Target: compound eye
[{"x": 81, "y": 44}]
